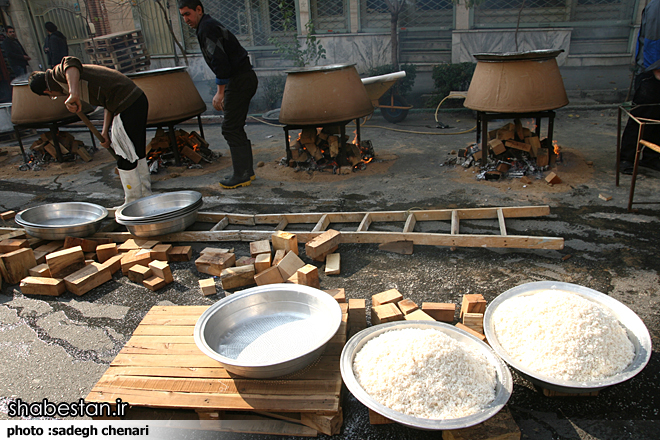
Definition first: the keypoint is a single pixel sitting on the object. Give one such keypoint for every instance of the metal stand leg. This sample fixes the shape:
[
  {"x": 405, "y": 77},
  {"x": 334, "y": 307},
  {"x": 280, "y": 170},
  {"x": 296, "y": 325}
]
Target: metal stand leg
[
  {"x": 20, "y": 143},
  {"x": 484, "y": 140},
  {"x": 56, "y": 143},
  {"x": 288, "y": 145},
  {"x": 93, "y": 139},
  {"x": 638, "y": 150},
  {"x": 357, "y": 130},
  {"x": 174, "y": 146},
  {"x": 618, "y": 147},
  {"x": 201, "y": 129}
]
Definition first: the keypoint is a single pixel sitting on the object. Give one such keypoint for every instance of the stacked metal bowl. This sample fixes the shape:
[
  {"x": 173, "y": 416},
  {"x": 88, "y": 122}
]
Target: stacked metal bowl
[
  {"x": 56, "y": 221},
  {"x": 161, "y": 213}
]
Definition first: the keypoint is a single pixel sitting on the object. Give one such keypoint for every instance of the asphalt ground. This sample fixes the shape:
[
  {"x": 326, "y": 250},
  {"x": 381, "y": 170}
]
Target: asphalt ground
[{"x": 58, "y": 348}]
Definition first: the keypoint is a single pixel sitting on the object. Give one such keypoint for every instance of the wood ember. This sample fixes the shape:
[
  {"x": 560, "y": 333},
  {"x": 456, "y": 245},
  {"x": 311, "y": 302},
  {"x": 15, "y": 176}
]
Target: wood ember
[
  {"x": 42, "y": 151},
  {"x": 193, "y": 150},
  {"x": 319, "y": 149},
  {"x": 515, "y": 151}
]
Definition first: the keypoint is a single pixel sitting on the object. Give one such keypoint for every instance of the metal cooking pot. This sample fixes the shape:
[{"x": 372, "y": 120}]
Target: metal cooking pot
[
  {"x": 171, "y": 92},
  {"x": 29, "y": 108},
  {"x": 323, "y": 95},
  {"x": 516, "y": 82}
]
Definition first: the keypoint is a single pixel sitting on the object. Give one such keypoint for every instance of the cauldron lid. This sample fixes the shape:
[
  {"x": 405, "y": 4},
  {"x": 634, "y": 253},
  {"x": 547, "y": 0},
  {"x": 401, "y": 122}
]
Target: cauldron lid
[
  {"x": 532, "y": 55},
  {"x": 162, "y": 71},
  {"x": 320, "y": 68}
]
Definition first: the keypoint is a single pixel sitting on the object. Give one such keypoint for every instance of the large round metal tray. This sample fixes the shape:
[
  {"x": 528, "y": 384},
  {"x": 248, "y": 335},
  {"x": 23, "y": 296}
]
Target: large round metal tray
[
  {"x": 56, "y": 221},
  {"x": 162, "y": 217},
  {"x": 635, "y": 328},
  {"x": 66, "y": 214},
  {"x": 268, "y": 331},
  {"x": 158, "y": 205},
  {"x": 153, "y": 229},
  {"x": 503, "y": 390}
]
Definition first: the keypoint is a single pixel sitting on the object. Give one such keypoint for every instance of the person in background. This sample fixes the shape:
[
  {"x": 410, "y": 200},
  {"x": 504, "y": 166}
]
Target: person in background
[
  {"x": 55, "y": 45},
  {"x": 15, "y": 54},
  {"x": 647, "y": 91},
  {"x": 236, "y": 85},
  {"x": 126, "y": 108}
]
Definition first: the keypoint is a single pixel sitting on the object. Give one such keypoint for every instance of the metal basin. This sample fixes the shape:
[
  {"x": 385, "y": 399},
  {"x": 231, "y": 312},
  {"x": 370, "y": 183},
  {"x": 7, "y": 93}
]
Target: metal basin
[
  {"x": 55, "y": 221},
  {"x": 159, "y": 205},
  {"x": 30, "y": 108},
  {"x": 268, "y": 331},
  {"x": 503, "y": 389},
  {"x": 154, "y": 228},
  {"x": 635, "y": 328}
]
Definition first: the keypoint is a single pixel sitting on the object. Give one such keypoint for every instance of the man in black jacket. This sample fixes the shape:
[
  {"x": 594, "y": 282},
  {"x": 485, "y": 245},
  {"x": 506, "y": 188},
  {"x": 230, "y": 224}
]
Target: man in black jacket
[
  {"x": 15, "y": 54},
  {"x": 55, "y": 46},
  {"x": 236, "y": 85}
]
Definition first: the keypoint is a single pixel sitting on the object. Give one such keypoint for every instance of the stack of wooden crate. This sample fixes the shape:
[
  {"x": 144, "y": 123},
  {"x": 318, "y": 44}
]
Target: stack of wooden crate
[{"x": 123, "y": 51}]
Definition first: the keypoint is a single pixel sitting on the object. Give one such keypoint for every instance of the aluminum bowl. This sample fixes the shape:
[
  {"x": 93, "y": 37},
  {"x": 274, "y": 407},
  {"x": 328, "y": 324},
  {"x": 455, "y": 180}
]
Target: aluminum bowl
[
  {"x": 157, "y": 205},
  {"x": 153, "y": 229},
  {"x": 635, "y": 328},
  {"x": 268, "y": 331},
  {"x": 161, "y": 217},
  {"x": 58, "y": 215},
  {"x": 56, "y": 221},
  {"x": 503, "y": 389}
]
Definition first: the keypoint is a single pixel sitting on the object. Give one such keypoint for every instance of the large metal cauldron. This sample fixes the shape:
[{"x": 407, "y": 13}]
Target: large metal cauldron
[
  {"x": 323, "y": 95},
  {"x": 172, "y": 94},
  {"x": 29, "y": 108},
  {"x": 517, "y": 82}
]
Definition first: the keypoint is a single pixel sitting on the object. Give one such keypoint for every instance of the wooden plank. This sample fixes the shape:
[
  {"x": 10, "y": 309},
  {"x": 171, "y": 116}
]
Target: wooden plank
[
  {"x": 500, "y": 219},
  {"x": 234, "y": 402},
  {"x": 460, "y": 240},
  {"x": 234, "y": 219},
  {"x": 365, "y": 223},
  {"x": 455, "y": 222},
  {"x": 222, "y": 224},
  {"x": 410, "y": 223},
  {"x": 222, "y": 386},
  {"x": 322, "y": 224},
  {"x": 282, "y": 224}
]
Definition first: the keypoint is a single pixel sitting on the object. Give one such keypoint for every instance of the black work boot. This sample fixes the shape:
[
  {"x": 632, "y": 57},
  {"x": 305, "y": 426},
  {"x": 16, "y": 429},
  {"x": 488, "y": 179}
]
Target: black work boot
[
  {"x": 241, "y": 176},
  {"x": 248, "y": 163}
]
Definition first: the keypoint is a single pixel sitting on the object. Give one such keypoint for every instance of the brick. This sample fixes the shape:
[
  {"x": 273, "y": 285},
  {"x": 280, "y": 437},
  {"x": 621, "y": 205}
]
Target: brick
[
  {"x": 65, "y": 262},
  {"x": 87, "y": 278},
  {"x": 308, "y": 275},
  {"x": 496, "y": 146},
  {"x": 470, "y": 331},
  {"x": 262, "y": 262},
  {"x": 286, "y": 241},
  {"x": 16, "y": 265},
  {"x": 162, "y": 270},
  {"x": 320, "y": 246},
  {"x": 289, "y": 265},
  {"x": 214, "y": 264},
  {"x": 338, "y": 294},
  {"x": 40, "y": 270},
  {"x": 105, "y": 251},
  {"x": 161, "y": 252},
  {"x": 552, "y": 178},
  {"x": 113, "y": 263},
  {"x": 131, "y": 258},
  {"x": 418, "y": 315},
  {"x": 42, "y": 286},
  {"x": 440, "y": 311},
  {"x": 385, "y": 313},
  {"x": 180, "y": 253},
  {"x": 357, "y": 315},
  {"x": 475, "y": 321},
  {"x": 333, "y": 264},
  {"x": 271, "y": 275},
  {"x": 154, "y": 283},
  {"x": 279, "y": 254},
  {"x": 386, "y": 297},
  {"x": 407, "y": 306},
  {"x": 208, "y": 286},
  {"x": 245, "y": 261},
  {"x": 139, "y": 273},
  {"x": 472, "y": 303},
  {"x": 13, "y": 244},
  {"x": 234, "y": 277},
  {"x": 259, "y": 247}
]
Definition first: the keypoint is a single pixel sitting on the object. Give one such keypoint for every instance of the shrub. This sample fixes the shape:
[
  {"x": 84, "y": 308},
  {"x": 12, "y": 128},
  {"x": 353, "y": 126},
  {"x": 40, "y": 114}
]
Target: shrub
[{"x": 450, "y": 77}]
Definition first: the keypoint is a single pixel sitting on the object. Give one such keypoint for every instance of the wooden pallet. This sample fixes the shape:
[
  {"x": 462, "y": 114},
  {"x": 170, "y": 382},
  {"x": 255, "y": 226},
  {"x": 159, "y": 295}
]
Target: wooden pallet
[
  {"x": 124, "y": 51},
  {"x": 161, "y": 367},
  {"x": 360, "y": 227}
]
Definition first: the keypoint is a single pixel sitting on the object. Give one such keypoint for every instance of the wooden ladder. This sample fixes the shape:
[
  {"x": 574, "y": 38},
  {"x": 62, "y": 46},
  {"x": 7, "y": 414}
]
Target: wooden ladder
[{"x": 261, "y": 227}]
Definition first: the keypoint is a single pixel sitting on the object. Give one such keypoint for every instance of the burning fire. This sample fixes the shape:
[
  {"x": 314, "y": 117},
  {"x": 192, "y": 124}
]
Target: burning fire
[{"x": 555, "y": 146}]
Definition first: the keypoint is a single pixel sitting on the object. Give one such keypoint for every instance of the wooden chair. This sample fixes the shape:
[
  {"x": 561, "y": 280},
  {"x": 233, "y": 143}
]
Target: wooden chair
[{"x": 627, "y": 108}]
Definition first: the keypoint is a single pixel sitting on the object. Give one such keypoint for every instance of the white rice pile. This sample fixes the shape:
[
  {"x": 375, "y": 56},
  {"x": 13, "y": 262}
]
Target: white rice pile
[
  {"x": 563, "y": 335},
  {"x": 425, "y": 373}
]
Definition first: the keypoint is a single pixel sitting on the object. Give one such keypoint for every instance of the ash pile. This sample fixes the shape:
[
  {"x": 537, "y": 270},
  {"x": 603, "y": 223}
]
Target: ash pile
[{"x": 514, "y": 152}]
